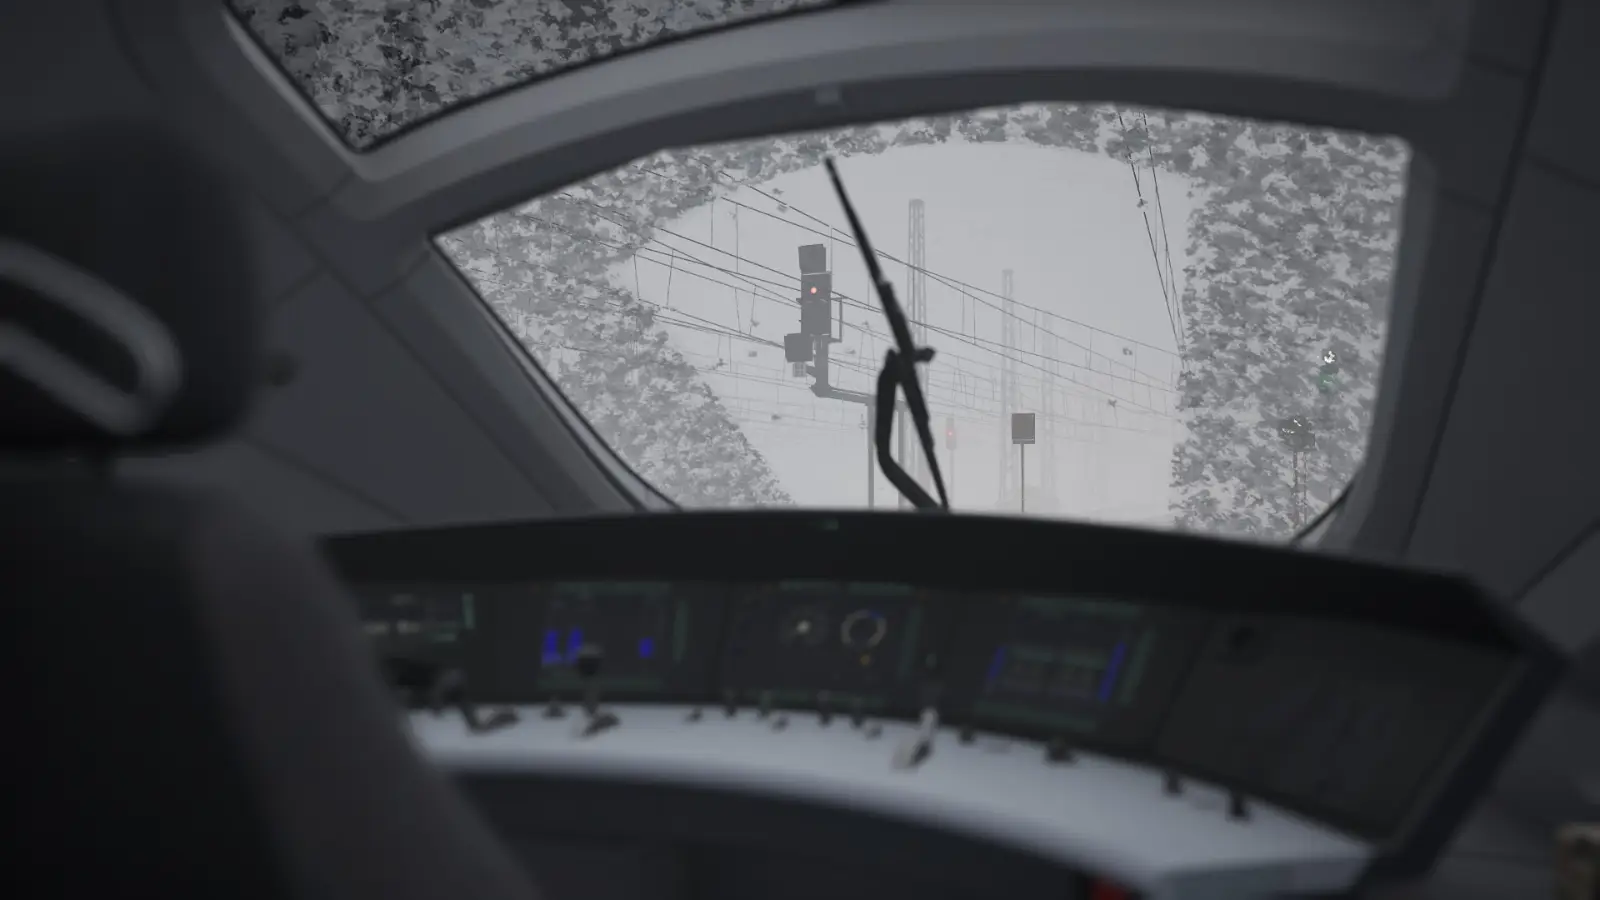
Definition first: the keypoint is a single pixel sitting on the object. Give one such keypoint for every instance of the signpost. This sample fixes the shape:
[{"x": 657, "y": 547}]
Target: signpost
[{"x": 1022, "y": 434}]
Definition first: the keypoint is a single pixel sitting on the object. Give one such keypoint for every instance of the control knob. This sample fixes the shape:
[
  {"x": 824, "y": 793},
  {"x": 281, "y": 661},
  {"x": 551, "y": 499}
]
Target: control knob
[{"x": 863, "y": 630}]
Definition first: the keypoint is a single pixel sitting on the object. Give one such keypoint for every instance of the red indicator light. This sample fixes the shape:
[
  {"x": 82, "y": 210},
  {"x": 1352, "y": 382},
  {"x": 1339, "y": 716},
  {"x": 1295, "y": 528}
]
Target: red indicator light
[{"x": 1105, "y": 890}]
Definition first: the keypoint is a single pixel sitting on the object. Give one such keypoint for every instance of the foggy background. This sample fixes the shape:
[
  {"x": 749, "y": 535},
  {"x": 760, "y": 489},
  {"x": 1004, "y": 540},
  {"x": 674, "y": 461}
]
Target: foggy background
[{"x": 1091, "y": 323}]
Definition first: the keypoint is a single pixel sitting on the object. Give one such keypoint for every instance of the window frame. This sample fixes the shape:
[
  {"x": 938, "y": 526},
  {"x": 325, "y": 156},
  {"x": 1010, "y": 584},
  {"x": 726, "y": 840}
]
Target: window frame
[{"x": 1371, "y": 65}]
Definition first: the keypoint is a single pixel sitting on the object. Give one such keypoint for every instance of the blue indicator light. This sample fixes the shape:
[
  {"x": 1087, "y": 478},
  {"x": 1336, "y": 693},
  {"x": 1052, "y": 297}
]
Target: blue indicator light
[
  {"x": 996, "y": 664},
  {"x": 574, "y": 641},
  {"x": 1108, "y": 681},
  {"x": 647, "y": 647},
  {"x": 552, "y": 648}
]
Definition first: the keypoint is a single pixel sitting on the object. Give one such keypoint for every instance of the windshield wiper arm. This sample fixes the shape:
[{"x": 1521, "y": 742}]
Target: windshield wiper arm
[{"x": 899, "y": 373}]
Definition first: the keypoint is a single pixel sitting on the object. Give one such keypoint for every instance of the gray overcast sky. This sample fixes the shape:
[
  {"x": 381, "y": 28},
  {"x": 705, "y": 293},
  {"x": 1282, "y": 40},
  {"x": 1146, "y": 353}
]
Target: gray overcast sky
[{"x": 1066, "y": 223}]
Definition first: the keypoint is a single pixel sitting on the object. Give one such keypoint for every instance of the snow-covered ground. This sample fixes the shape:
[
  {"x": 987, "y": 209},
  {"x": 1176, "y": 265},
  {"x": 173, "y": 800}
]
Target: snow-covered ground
[{"x": 1094, "y": 343}]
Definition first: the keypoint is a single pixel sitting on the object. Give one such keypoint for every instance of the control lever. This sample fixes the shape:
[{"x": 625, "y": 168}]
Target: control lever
[
  {"x": 1238, "y": 806},
  {"x": 589, "y": 660},
  {"x": 437, "y": 687},
  {"x": 913, "y": 752},
  {"x": 916, "y": 749},
  {"x": 554, "y": 709}
]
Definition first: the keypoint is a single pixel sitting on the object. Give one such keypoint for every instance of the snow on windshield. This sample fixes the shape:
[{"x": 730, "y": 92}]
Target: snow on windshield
[
  {"x": 376, "y": 67},
  {"x": 1191, "y": 308}
]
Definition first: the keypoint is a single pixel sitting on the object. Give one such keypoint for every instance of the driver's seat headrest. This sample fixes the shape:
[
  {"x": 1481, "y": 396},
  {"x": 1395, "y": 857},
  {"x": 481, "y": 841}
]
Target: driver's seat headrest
[{"x": 129, "y": 316}]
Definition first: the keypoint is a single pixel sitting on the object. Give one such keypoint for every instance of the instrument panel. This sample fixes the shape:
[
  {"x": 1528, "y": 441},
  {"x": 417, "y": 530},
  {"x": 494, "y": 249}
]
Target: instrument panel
[
  {"x": 801, "y": 642},
  {"x": 1340, "y": 721},
  {"x": 1374, "y": 700}
]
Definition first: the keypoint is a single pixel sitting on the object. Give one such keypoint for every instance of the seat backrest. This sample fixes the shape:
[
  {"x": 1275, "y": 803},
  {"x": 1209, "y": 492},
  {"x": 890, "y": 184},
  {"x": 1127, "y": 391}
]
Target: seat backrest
[{"x": 198, "y": 709}]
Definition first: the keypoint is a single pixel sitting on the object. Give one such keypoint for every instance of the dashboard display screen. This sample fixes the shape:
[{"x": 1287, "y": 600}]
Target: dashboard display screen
[
  {"x": 418, "y": 615},
  {"x": 1071, "y": 665},
  {"x": 864, "y": 643},
  {"x": 442, "y": 625},
  {"x": 654, "y": 639},
  {"x": 1343, "y": 718},
  {"x": 642, "y": 628}
]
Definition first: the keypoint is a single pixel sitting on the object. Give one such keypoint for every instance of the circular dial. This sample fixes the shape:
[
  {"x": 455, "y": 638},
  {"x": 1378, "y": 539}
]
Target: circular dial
[
  {"x": 805, "y": 625},
  {"x": 863, "y": 629}
]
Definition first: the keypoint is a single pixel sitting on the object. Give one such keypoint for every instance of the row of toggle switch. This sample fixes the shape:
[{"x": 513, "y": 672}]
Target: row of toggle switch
[
  {"x": 765, "y": 710},
  {"x": 910, "y": 755}
]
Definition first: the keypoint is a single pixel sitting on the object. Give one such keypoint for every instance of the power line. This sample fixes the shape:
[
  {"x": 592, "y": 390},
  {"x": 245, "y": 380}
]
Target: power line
[
  {"x": 1161, "y": 213},
  {"x": 631, "y": 225},
  {"x": 956, "y": 284},
  {"x": 951, "y": 390},
  {"x": 974, "y": 342},
  {"x": 948, "y": 281},
  {"x": 707, "y": 326},
  {"x": 676, "y": 318},
  {"x": 1155, "y": 256},
  {"x": 952, "y": 410}
]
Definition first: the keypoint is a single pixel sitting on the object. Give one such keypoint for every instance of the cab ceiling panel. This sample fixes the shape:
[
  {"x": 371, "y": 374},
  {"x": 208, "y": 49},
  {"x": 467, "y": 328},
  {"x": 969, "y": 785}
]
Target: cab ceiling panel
[
  {"x": 363, "y": 410},
  {"x": 275, "y": 485},
  {"x": 1505, "y": 33},
  {"x": 1513, "y": 481},
  {"x": 59, "y": 83},
  {"x": 190, "y": 54},
  {"x": 1565, "y": 131},
  {"x": 1562, "y": 604},
  {"x": 1514, "y": 478},
  {"x": 282, "y": 260}
]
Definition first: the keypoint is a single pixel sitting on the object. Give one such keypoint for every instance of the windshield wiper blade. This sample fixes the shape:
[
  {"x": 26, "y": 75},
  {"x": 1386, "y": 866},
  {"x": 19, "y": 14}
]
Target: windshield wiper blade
[{"x": 899, "y": 374}]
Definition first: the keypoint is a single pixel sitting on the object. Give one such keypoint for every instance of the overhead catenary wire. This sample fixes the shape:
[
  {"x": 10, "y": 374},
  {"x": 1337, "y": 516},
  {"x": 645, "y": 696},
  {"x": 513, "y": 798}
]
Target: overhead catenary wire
[
  {"x": 946, "y": 280},
  {"x": 973, "y": 340},
  {"x": 737, "y": 271},
  {"x": 678, "y": 318},
  {"x": 965, "y": 339},
  {"x": 1166, "y": 236},
  {"x": 961, "y": 405},
  {"x": 974, "y": 292},
  {"x": 955, "y": 284},
  {"x": 697, "y": 323},
  {"x": 1150, "y": 233}
]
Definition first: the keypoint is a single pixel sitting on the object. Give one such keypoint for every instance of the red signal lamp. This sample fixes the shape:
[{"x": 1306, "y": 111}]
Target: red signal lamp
[
  {"x": 1105, "y": 890},
  {"x": 816, "y": 286}
]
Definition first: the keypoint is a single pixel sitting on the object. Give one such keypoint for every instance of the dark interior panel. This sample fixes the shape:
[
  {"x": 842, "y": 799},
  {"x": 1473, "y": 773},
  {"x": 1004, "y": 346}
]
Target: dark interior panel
[
  {"x": 1346, "y": 717},
  {"x": 667, "y": 841}
]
